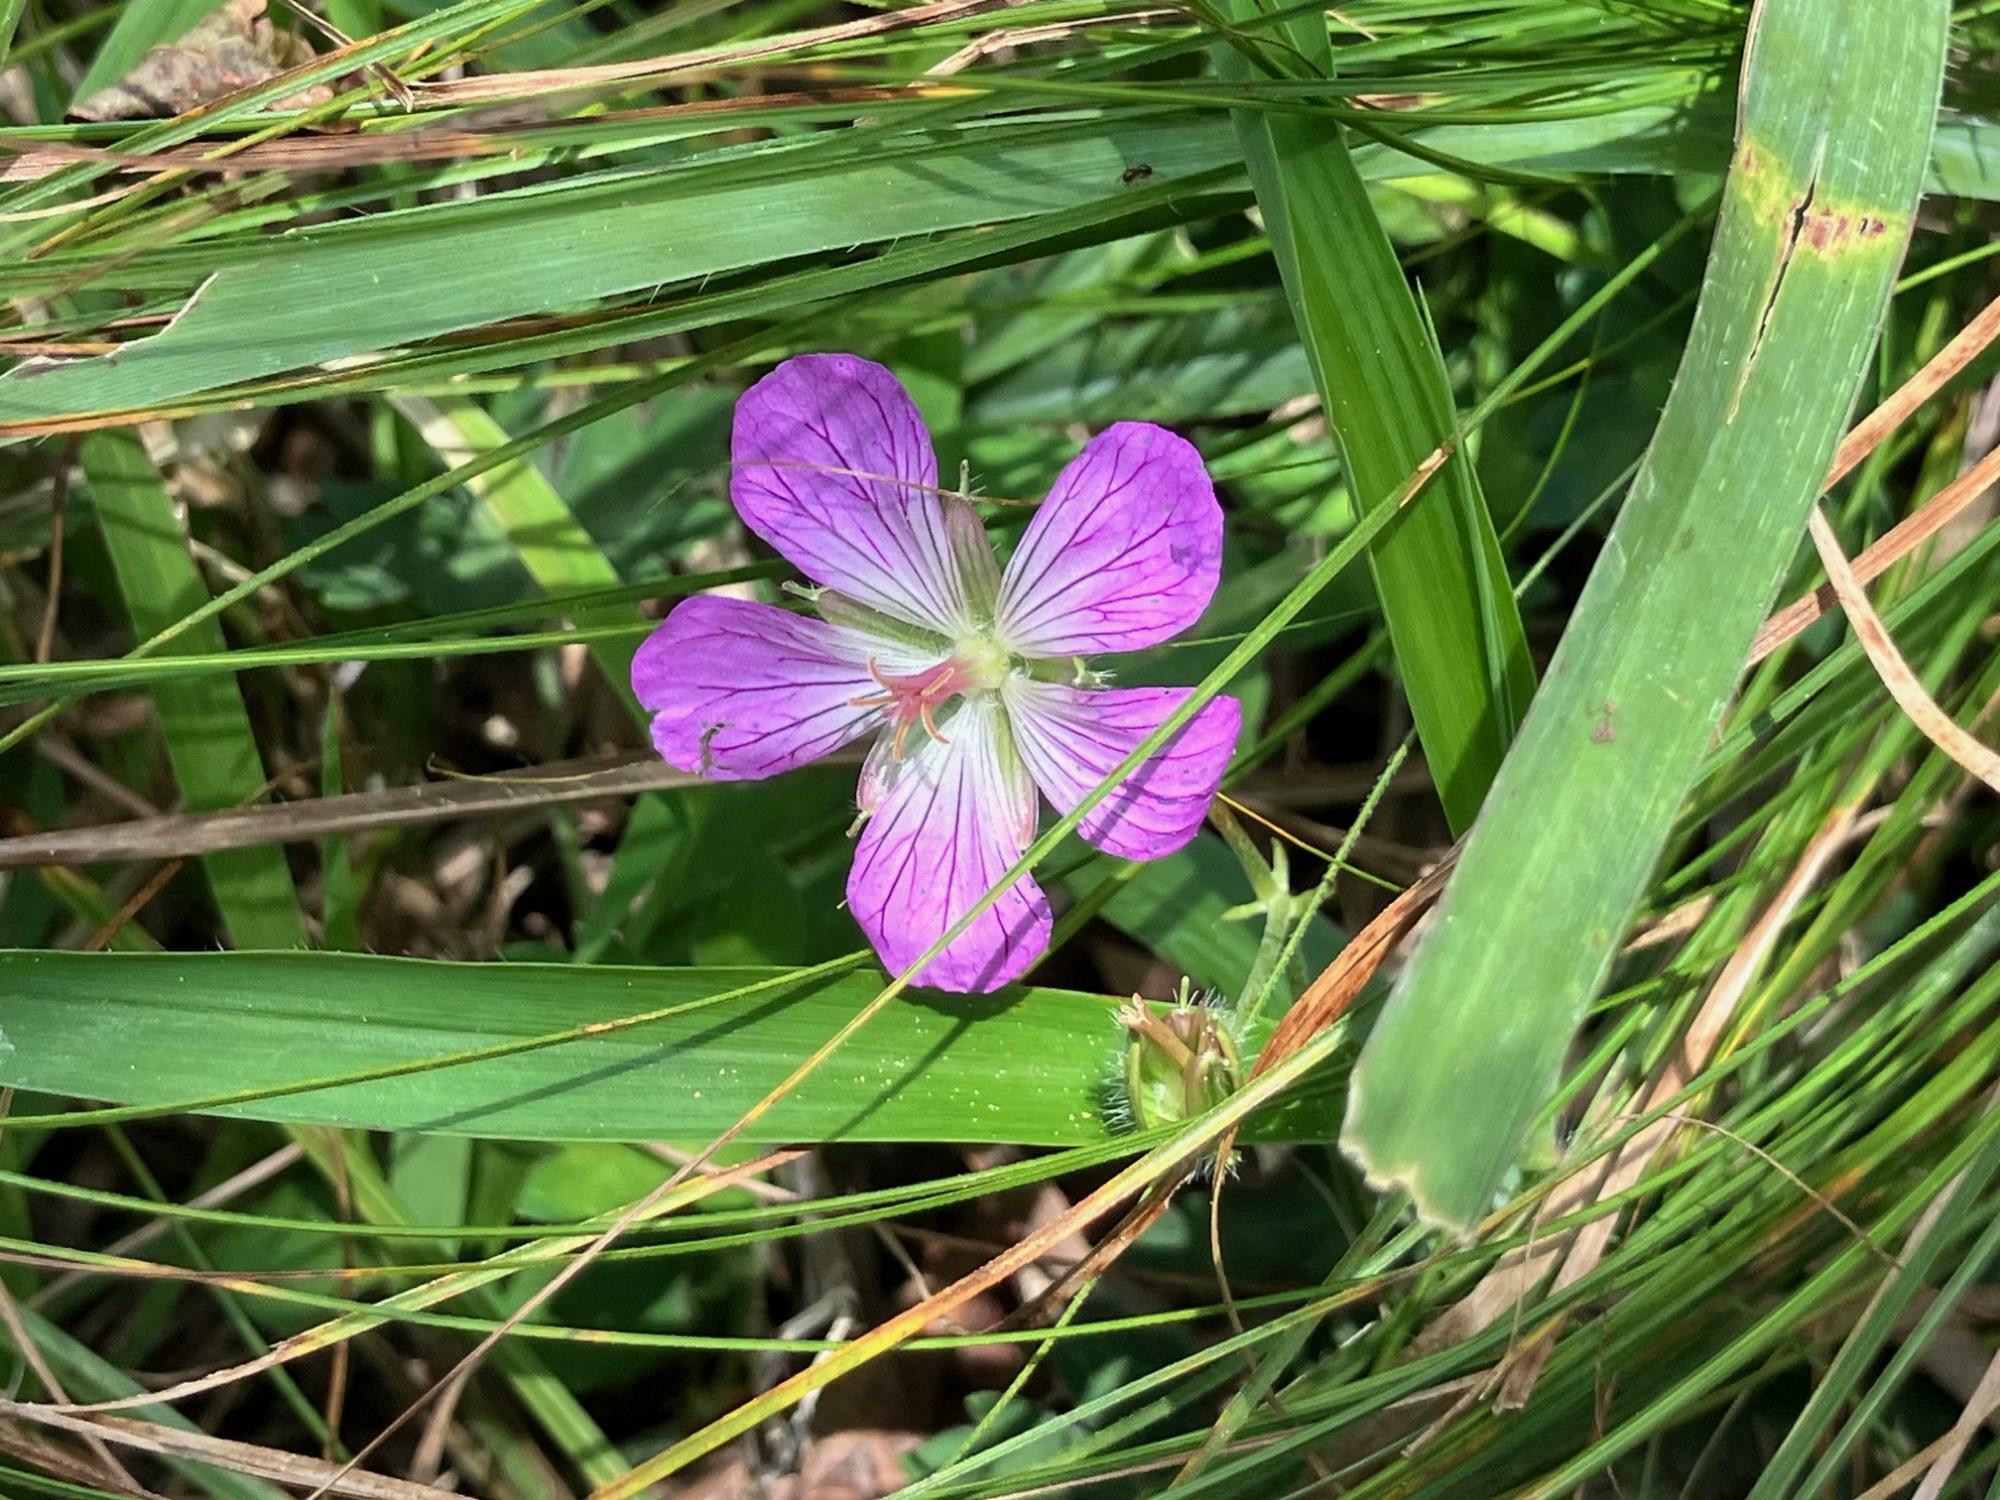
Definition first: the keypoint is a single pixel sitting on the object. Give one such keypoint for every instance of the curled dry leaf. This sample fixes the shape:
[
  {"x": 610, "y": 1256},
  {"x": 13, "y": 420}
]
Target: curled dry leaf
[{"x": 232, "y": 48}]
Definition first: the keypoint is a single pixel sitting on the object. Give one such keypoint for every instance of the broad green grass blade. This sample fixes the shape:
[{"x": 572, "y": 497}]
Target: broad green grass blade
[
  {"x": 208, "y": 734},
  {"x": 1838, "y": 102},
  {"x": 1028, "y": 1066},
  {"x": 1458, "y": 639},
  {"x": 326, "y": 291},
  {"x": 384, "y": 283}
]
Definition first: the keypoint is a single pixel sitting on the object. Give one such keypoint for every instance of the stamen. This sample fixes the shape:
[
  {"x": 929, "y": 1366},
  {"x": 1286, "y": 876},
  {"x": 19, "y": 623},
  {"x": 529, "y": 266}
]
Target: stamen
[
  {"x": 914, "y": 699},
  {"x": 930, "y": 725},
  {"x": 876, "y": 700}
]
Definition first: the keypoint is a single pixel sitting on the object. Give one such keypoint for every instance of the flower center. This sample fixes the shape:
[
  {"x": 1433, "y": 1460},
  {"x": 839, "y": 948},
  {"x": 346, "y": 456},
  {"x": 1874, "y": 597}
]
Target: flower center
[{"x": 912, "y": 698}]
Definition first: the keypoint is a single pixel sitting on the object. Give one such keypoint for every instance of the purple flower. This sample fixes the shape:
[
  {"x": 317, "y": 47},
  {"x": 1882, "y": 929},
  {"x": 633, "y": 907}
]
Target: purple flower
[{"x": 970, "y": 679}]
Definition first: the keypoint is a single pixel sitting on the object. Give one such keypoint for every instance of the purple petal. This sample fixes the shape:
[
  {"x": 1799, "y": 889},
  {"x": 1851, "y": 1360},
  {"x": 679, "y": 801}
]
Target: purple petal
[
  {"x": 832, "y": 466},
  {"x": 1071, "y": 738},
  {"x": 1124, "y": 553},
  {"x": 740, "y": 691},
  {"x": 950, "y": 822}
]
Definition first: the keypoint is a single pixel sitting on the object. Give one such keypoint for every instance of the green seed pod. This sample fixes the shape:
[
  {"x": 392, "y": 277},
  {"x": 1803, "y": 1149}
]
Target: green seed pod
[{"x": 1178, "y": 1065}]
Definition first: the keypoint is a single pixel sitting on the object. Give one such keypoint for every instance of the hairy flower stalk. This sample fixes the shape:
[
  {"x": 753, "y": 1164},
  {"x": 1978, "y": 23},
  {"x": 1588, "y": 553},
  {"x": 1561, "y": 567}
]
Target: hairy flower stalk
[{"x": 970, "y": 679}]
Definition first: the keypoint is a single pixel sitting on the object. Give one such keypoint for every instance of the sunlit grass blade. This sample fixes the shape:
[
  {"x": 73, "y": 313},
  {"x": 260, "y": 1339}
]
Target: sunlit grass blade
[
  {"x": 1838, "y": 102},
  {"x": 10, "y": 19}
]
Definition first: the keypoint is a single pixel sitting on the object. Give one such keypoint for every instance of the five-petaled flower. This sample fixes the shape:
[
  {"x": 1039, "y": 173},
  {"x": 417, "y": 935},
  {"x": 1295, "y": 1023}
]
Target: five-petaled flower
[{"x": 971, "y": 679}]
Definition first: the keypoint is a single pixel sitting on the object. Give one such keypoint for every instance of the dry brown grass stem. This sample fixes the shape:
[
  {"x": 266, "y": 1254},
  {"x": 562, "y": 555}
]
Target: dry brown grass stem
[
  {"x": 241, "y": 1458},
  {"x": 1887, "y": 550},
  {"x": 1904, "y": 685},
  {"x": 1863, "y": 439}
]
